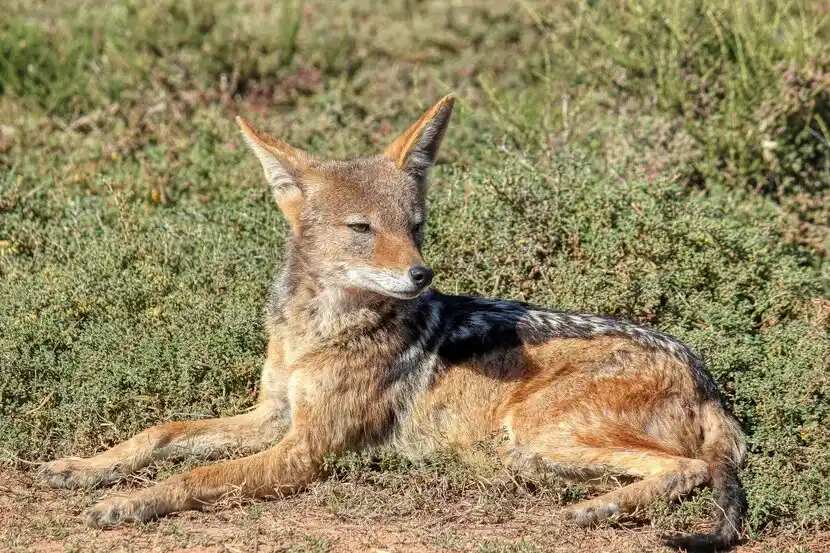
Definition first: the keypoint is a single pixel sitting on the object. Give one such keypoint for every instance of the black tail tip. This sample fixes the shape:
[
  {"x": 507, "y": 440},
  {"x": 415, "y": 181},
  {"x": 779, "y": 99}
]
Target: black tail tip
[{"x": 701, "y": 543}]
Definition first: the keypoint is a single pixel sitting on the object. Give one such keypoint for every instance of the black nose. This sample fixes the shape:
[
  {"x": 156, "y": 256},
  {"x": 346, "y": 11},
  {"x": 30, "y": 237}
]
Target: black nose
[{"x": 421, "y": 276}]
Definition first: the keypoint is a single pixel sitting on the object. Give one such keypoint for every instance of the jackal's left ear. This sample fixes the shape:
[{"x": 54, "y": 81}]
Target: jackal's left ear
[
  {"x": 283, "y": 164},
  {"x": 416, "y": 149}
]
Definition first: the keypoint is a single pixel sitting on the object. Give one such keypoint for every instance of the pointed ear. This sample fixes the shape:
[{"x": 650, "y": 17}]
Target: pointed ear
[
  {"x": 283, "y": 164},
  {"x": 416, "y": 149}
]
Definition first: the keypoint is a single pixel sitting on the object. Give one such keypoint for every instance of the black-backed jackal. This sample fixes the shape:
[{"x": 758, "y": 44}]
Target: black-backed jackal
[{"x": 362, "y": 353}]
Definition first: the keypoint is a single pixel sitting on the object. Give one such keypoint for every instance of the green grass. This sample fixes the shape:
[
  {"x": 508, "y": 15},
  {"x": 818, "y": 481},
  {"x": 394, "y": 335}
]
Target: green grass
[{"x": 607, "y": 156}]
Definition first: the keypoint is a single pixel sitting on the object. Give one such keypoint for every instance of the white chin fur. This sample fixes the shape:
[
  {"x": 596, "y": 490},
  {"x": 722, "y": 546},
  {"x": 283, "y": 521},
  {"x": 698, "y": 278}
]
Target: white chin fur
[{"x": 384, "y": 282}]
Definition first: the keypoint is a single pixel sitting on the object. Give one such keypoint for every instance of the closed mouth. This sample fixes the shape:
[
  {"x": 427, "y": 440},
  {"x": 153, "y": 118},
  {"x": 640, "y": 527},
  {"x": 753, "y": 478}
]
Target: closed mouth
[{"x": 386, "y": 282}]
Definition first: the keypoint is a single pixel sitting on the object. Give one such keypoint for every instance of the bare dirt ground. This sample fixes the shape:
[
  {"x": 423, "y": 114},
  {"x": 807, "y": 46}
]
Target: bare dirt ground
[{"x": 33, "y": 518}]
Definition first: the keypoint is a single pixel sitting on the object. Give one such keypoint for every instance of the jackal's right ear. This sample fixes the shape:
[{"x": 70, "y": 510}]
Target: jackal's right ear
[{"x": 283, "y": 164}]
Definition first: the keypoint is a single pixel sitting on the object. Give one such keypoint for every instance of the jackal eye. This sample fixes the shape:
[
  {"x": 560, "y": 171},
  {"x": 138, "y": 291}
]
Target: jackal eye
[
  {"x": 418, "y": 228},
  {"x": 360, "y": 228}
]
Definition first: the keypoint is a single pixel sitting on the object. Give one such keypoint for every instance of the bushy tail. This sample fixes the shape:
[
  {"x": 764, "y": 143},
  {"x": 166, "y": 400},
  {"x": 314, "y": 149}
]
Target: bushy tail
[
  {"x": 731, "y": 503},
  {"x": 724, "y": 450}
]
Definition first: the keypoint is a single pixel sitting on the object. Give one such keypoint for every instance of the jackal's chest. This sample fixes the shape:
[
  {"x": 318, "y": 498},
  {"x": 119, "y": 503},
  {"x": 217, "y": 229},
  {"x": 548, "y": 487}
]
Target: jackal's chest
[
  {"x": 287, "y": 377},
  {"x": 328, "y": 376}
]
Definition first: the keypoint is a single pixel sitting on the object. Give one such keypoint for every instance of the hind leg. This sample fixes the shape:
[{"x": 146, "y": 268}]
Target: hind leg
[{"x": 662, "y": 475}]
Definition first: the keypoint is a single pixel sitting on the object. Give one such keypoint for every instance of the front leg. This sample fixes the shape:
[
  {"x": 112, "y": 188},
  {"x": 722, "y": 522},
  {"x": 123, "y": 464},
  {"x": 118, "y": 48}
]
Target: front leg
[
  {"x": 203, "y": 438},
  {"x": 281, "y": 470}
]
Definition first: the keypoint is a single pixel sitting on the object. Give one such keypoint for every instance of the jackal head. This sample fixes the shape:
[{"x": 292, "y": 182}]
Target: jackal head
[{"x": 358, "y": 223}]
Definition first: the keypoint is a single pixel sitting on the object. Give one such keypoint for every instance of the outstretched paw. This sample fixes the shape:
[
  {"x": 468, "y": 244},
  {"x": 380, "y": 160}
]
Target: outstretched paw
[
  {"x": 589, "y": 513},
  {"x": 75, "y": 472},
  {"x": 117, "y": 510}
]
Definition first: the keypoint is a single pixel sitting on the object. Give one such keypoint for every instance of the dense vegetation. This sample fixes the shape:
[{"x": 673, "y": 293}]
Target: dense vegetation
[{"x": 667, "y": 162}]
